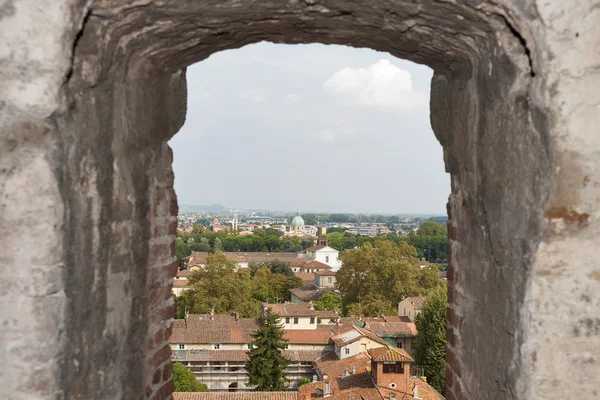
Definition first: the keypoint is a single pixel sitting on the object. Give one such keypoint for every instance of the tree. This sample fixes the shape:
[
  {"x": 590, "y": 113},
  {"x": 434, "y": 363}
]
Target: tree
[
  {"x": 430, "y": 228},
  {"x": 266, "y": 363},
  {"x": 429, "y": 277},
  {"x": 329, "y": 301},
  {"x": 204, "y": 245},
  {"x": 431, "y": 339},
  {"x": 182, "y": 251},
  {"x": 221, "y": 286},
  {"x": 304, "y": 381},
  {"x": 185, "y": 381},
  {"x": 371, "y": 306},
  {"x": 386, "y": 273},
  {"x": 218, "y": 245}
]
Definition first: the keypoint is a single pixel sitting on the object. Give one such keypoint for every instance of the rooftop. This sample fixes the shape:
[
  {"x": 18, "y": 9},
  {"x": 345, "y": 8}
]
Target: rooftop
[
  {"x": 288, "y": 309},
  {"x": 383, "y": 354},
  {"x": 235, "y": 396}
]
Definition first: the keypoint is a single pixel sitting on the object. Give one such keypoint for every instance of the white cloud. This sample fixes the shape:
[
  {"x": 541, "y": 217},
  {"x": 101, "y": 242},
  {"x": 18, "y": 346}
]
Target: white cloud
[
  {"x": 253, "y": 95},
  {"x": 381, "y": 84}
]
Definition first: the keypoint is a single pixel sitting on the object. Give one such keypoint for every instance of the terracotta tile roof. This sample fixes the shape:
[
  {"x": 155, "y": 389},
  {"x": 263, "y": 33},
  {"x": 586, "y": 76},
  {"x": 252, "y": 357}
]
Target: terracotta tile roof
[
  {"x": 417, "y": 301},
  {"x": 191, "y": 336},
  {"x": 316, "y": 248},
  {"x": 200, "y": 257},
  {"x": 389, "y": 354},
  {"x": 288, "y": 309},
  {"x": 317, "y": 265},
  {"x": 306, "y": 278},
  {"x": 325, "y": 273},
  {"x": 359, "y": 383},
  {"x": 310, "y": 292},
  {"x": 183, "y": 274},
  {"x": 392, "y": 329},
  {"x": 219, "y": 321},
  {"x": 355, "y": 334},
  {"x": 181, "y": 283},
  {"x": 307, "y": 336},
  {"x": 235, "y": 396}
]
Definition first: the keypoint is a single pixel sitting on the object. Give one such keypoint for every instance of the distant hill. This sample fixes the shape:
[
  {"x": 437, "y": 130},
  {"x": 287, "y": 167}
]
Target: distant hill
[{"x": 207, "y": 208}]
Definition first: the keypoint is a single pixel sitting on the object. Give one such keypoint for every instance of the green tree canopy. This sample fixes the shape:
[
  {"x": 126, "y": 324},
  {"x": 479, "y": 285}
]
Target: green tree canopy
[
  {"x": 266, "y": 363},
  {"x": 371, "y": 306},
  {"x": 431, "y": 339},
  {"x": 222, "y": 287},
  {"x": 185, "y": 381},
  {"x": 430, "y": 228},
  {"x": 329, "y": 301},
  {"x": 386, "y": 271}
]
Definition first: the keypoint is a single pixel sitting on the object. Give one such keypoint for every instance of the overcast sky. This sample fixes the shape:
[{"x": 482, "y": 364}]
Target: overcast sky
[{"x": 309, "y": 127}]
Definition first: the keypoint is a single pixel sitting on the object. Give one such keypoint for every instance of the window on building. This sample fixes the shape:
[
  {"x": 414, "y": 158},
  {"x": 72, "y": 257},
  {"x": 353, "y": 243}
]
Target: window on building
[
  {"x": 319, "y": 320},
  {"x": 182, "y": 347},
  {"x": 399, "y": 345},
  {"x": 393, "y": 368},
  {"x": 329, "y": 280},
  {"x": 347, "y": 350},
  {"x": 326, "y": 259},
  {"x": 217, "y": 346},
  {"x": 295, "y": 321},
  {"x": 287, "y": 346},
  {"x": 312, "y": 320},
  {"x": 287, "y": 320}
]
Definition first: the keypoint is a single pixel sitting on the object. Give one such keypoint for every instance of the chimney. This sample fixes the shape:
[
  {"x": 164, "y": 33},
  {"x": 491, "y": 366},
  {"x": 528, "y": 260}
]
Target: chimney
[
  {"x": 326, "y": 389},
  {"x": 353, "y": 369},
  {"x": 310, "y": 306},
  {"x": 416, "y": 392}
]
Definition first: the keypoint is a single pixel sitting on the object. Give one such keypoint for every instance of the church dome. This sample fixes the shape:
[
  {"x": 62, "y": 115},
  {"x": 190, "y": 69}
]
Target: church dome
[{"x": 298, "y": 221}]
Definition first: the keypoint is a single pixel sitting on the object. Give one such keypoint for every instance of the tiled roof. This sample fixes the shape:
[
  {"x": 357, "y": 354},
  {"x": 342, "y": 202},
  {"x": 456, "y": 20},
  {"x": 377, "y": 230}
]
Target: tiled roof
[
  {"x": 235, "y": 396},
  {"x": 310, "y": 292},
  {"x": 392, "y": 329},
  {"x": 183, "y": 274},
  {"x": 191, "y": 335},
  {"x": 358, "y": 384},
  {"x": 307, "y": 336},
  {"x": 288, "y": 309},
  {"x": 316, "y": 248},
  {"x": 219, "y": 321},
  {"x": 181, "y": 283},
  {"x": 200, "y": 257},
  {"x": 418, "y": 301},
  {"x": 325, "y": 273},
  {"x": 317, "y": 265},
  {"x": 306, "y": 278},
  {"x": 389, "y": 354},
  {"x": 355, "y": 334}
]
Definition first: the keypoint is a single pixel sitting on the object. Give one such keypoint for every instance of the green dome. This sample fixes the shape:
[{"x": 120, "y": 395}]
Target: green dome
[{"x": 298, "y": 221}]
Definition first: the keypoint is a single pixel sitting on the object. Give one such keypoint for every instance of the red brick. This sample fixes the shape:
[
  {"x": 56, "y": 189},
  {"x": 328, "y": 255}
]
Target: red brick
[
  {"x": 160, "y": 251},
  {"x": 163, "y": 314},
  {"x": 449, "y": 377},
  {"x": 173, "y": 228},
  {"x": 160, "y": 294},
  {"x": 157, "y": 376},
  {"x": 159, "y": 336},
  {"x": 165, "y": 391},
  {"x": 168, "y": 372},
  {"x": 148, "y": 391},
  {"x": 161, "y": 356},
  {"x": 452, "y": 360},
  {"x": 453, "y": 319},
  {"x": 174, "y": 208}
]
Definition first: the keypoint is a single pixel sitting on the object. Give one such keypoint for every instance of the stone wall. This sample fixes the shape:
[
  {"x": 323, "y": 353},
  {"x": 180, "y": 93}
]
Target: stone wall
[{"x": 90, "y": 92}]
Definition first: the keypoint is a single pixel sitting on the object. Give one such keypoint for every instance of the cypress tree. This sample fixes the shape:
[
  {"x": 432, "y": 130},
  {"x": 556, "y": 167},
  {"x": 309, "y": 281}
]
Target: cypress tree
[{"x": 266, "y": 363}]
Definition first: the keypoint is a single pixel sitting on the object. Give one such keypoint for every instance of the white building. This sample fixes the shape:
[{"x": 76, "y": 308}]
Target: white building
[{"x": 324, "y": 254}]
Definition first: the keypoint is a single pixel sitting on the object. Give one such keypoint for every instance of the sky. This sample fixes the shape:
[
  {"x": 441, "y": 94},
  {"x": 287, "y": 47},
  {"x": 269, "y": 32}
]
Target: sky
[{"x": 318, "y": 128}]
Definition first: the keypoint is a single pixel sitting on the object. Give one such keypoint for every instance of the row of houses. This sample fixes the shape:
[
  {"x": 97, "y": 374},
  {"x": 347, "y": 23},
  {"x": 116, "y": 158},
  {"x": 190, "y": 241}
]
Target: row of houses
[{"x": 214, "y": 346}]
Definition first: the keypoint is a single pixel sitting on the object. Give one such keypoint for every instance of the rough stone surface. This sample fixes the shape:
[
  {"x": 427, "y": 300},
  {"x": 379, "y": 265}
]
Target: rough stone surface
[{"x": 90, "y": 92}]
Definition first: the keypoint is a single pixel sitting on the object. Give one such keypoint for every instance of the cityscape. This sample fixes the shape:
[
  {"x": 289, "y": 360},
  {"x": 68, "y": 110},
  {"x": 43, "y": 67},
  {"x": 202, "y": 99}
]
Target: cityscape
[{"x": 292, "y": 277}]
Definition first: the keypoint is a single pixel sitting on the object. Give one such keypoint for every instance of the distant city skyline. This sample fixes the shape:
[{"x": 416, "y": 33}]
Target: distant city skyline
[{"x": 311, "y": 127}]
